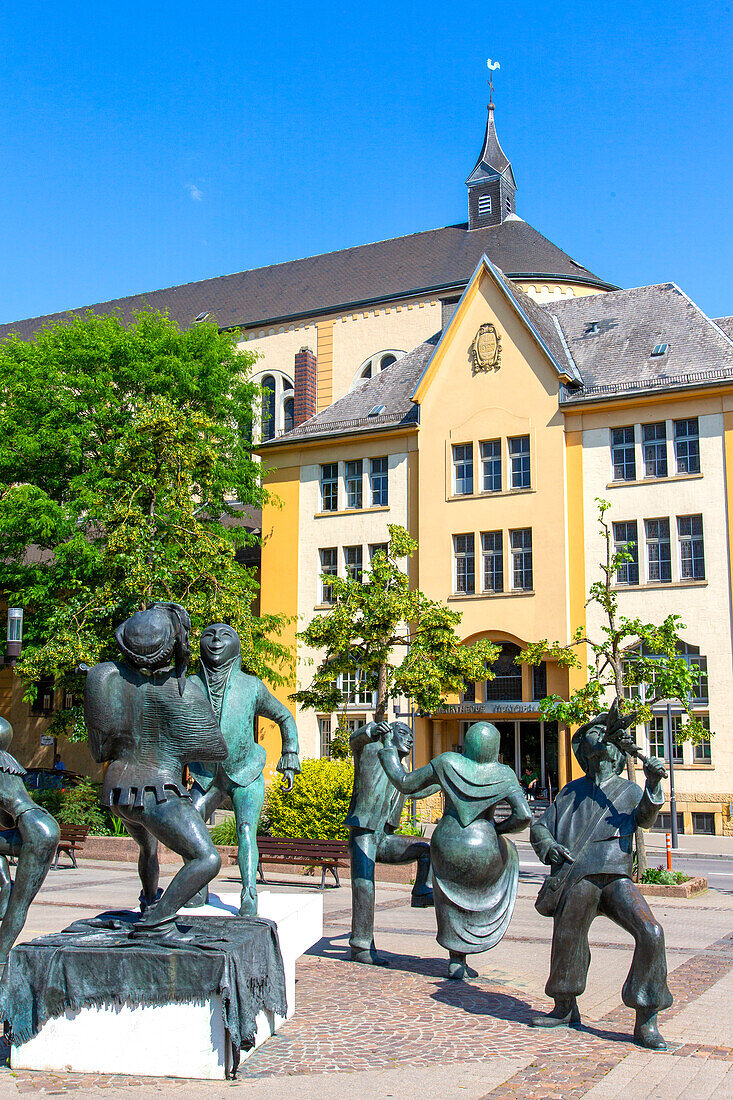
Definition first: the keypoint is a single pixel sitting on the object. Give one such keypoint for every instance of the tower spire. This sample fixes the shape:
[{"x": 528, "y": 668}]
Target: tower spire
[{"x": 491, "y": 185}]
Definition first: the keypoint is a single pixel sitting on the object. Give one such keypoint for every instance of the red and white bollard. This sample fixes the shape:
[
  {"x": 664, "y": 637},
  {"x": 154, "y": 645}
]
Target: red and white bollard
[{"x": 669, "y": 851}]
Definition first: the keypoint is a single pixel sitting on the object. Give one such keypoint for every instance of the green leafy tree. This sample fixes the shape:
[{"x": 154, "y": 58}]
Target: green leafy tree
[
  {"x": 317, "y": 805},
  {"x": 126, "y": 459},
  {"x": 380, "y": 635},
  {"x": 627, "y": 653}
]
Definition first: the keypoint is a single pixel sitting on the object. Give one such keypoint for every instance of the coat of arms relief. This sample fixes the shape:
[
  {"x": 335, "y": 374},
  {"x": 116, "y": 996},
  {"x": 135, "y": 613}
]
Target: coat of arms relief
[{"x": 486, "y": 349}]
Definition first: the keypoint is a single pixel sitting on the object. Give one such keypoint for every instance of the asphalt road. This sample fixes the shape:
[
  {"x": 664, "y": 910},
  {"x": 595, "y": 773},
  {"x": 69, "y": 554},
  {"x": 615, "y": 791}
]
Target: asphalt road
[{"x": 718, "y": 872}]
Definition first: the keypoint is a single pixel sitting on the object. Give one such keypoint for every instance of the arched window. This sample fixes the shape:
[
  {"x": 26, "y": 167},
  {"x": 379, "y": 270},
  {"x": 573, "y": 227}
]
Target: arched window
[
  {"x": 289, "y": 415},
  {"x": 268, "y": 407},
  {"x": 374, "y": 364}
]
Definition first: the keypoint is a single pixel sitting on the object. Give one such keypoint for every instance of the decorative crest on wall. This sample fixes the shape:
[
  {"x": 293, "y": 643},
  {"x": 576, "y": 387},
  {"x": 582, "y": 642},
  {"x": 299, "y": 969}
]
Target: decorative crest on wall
[{"x": 486, "y": 349}]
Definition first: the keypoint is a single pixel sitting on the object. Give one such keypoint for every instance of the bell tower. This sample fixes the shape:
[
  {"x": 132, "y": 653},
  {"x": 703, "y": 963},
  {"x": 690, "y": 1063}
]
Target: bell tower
[{"x": 491, "y": 185}]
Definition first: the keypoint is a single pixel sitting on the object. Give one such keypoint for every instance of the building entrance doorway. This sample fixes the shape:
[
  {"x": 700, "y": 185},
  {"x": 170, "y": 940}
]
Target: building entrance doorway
[{"x": 530, "y": 746}]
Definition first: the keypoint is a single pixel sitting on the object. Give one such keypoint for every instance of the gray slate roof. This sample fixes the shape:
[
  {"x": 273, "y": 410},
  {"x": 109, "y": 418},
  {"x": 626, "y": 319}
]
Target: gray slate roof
[
  {"x": 393, "y": 387},
  {"x": 492, "y": 159},
  {"x": 611, "y": 337},
  {"x": 427, "y": 262},
  {"x": 726, "y": 323}
]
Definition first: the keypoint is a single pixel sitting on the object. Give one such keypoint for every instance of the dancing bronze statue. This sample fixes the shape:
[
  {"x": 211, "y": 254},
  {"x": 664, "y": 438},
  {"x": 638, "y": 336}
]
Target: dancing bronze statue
[
  {"x": 374, "y": 816},
  {"x": 148, "y": 721},
  {"x": 586, "y": 837},
  {"x": 28, "y": 834},
  {"x": 238, "y": 699},
  {"x": 475, "y": 868}
]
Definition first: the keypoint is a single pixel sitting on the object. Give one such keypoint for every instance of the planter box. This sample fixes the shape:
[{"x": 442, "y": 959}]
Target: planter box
[
  {"x": 124, "y": 849},
  {"x": 688, "y": 889}
]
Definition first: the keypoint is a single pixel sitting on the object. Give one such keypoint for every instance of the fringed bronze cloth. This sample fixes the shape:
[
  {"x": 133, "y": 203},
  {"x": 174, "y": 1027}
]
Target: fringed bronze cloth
[{"x": 99, "y": 962}]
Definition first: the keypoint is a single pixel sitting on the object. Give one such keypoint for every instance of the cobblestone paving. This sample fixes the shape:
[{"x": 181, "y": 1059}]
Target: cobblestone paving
[{"x": 353, "y": 1018}]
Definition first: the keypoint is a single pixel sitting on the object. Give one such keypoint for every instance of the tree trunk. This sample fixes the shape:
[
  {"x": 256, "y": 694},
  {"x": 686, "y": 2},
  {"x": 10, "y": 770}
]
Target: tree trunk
[{"x": 380, "y": 711}]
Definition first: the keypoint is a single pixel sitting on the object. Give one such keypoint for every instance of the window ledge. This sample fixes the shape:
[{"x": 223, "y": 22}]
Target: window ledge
[
  {"x": 489, "y": 493},
  {"x": 654, "y": 480},
  {"x": 352, "y": 511},
  {"x": 659, "y": 584},
  {"x": 491, "y": 595},
  {"x": 323, "y": 606}
]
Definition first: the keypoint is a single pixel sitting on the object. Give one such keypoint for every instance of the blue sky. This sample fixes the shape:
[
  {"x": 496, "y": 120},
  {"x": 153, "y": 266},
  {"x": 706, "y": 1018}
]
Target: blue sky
[{"x": 145, "y": 145}]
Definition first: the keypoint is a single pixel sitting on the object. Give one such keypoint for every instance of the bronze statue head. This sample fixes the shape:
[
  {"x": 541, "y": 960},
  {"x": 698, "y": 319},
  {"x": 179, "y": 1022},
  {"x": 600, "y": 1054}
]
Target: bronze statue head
[
  {"x": 220, "y": 645},
  {"x": 6, "y": 734},
  {"x": 156, "y": 637},
  {"x": 481, "y": 743}
]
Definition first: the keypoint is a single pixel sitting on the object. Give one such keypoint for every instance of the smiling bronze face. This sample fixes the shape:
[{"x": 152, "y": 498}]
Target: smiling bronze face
[{"x": 219, "y": 645}]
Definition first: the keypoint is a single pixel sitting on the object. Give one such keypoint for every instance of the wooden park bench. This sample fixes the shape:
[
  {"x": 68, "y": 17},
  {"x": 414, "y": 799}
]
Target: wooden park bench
[
  {"x": 329, "y": 855},
  {"x": 72, "y": 841}
]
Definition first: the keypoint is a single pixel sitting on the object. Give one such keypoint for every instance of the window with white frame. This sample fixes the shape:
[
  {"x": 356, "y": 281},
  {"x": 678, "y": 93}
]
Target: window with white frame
[
  {"x": 462, "y": 468},
  {"x": 625, "y": 538},
  {"x": 701, "y": 749},
  {"x": 464, "y": 564},
  {"x": 288, "y": 414},
  {"x": 484, "y": 204},
  {"x": 353, "y": 687},
  {"x": 374, "y": 547},
  {"x": 376, "y": 363},
  {"x": 329, "y": 566},
  {"x": 379, "y": 481},
  {"x": 492, "y": 553},
  {"x": 353, "y": 480},
  {"x": 519, "y": 462},
  {"x": 491, "y": 465},
  {"x": 657, "y": 734},
  {"x": 353, "y": 561},
  {"x": 268, "y": 408},
  {"x": 697, "y": 661},
  {"x": 623, "y": 454},
  {"x": 521, "y": 546},
  {"x": 654, "y": 440},
  {"x": 330, "y": 487},
  {"x": 324, "y": 734},
  {"x": 658, "y": 550},
  {"x": 687, "y": 446},
  {"x": 692, "y": 550}
]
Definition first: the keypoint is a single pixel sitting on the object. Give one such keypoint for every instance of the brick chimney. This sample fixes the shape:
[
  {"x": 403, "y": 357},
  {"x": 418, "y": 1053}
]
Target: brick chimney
[{"x": 305, "y": 385}]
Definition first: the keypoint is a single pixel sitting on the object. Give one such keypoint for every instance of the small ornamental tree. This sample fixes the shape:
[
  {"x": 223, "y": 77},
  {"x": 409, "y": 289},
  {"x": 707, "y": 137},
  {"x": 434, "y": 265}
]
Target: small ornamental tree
[
  {"x": 382, "y": 636},
  {"x": 125, "y": 458},
  {"x": 630, "y": 654}
]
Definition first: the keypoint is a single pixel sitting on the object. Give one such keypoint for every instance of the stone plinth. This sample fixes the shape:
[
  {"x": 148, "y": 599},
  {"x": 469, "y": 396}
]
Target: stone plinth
[{"x": 173, "y": 1040}]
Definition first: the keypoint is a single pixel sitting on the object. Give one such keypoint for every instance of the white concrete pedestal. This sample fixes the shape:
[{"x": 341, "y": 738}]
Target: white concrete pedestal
[{"x": 173, "y": 1040}]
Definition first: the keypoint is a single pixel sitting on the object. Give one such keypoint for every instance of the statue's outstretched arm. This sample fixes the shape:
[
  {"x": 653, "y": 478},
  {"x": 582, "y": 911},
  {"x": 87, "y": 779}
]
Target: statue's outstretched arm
[
  {"x": 520, "y": 816},
  {"x": 417, "y": 784}
]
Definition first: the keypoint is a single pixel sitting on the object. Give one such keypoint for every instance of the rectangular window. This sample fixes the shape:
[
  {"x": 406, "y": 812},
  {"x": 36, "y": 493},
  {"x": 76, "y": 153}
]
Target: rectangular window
[
  {"x": 353, "y": 562},
  {"x": 353, "y": 483},
  {"x": 462, "y": 469},
  {"x": 692, "y": 552},
  {"x": 484, "y": 204},
  {"x": 539, "y": 681},
  {"x": 519, "y": 462},
  {"x": 43, "y": 702},
  {"x": 353, "y": 688},
  {"x": 330, "y": 487},
  {"x": 469, "y": 693},
  {"x": 657, "y": 738},
  {"x": 699, "y": 668},
  {"x": 329, "y": 565},
  {"x": 658, "y": 551},
  {"x": 703, "y": 823},
  {"x": 676, "y": 740},
  {"x": 491, "y": 465},
  {"x": 687, "y": 446},
  {"x": 378, "y": 482},
  {"x": 623, "y": 455},
  {"x": 521, "y": 543},
  {"x": 465, "y": 563},
  {"x": 324, "y": 733},
  {"x": 654, "y": 438},
  {"x": 375, "y": 546},
  {"x": 701, "y": 749},
  {"x": 625, "y": 537},
  {"x": 492, "y": 550}
]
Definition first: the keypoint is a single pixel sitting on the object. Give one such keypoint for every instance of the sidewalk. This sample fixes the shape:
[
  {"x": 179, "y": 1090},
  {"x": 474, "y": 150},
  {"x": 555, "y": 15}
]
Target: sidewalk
[{"x": 406, "y": 1031}]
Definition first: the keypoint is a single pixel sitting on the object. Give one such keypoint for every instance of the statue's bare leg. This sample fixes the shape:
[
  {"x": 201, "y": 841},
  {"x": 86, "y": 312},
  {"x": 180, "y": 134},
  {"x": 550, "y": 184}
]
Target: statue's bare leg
[
  {"x": 248, "y": 802},
  {"x": 177, "y": 824},
  {"x": 205, "y": 802},
  {"x": 148, "y": 865},
  {"x": 34, "y": 841}
]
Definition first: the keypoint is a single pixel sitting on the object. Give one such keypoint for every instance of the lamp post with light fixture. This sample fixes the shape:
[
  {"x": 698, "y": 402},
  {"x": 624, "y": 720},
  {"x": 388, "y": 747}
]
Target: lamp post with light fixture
[{"x": 14, "y": 635}]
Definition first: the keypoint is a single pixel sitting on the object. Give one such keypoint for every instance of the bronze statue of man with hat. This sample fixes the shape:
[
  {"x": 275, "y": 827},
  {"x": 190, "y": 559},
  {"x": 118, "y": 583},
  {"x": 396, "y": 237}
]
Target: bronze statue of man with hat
[
  {"x": 148, "y": 721},
  {"x": 586, "y": 836}
]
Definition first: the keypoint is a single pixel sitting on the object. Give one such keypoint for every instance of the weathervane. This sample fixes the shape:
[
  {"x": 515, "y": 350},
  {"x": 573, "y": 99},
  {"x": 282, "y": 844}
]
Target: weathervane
[{"x": 491, "y": 65}]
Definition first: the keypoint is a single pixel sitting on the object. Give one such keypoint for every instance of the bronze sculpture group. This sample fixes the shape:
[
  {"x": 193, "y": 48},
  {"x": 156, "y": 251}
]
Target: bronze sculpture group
[{"x": 148, "y": 722}]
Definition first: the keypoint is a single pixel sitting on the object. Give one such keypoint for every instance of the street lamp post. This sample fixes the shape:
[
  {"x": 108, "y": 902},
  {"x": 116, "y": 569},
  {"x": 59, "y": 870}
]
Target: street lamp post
[{"x": 672, "y": 799}]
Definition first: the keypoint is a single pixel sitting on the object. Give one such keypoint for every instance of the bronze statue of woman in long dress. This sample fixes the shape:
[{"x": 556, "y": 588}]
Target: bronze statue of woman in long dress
[
  {"x": 475, "y": 869},
  {"x": 26, "y": 832}
]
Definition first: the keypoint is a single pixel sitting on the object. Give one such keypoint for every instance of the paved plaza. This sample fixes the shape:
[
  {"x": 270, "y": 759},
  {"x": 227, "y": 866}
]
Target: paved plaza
[{"x": 407, "y": 1031}]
